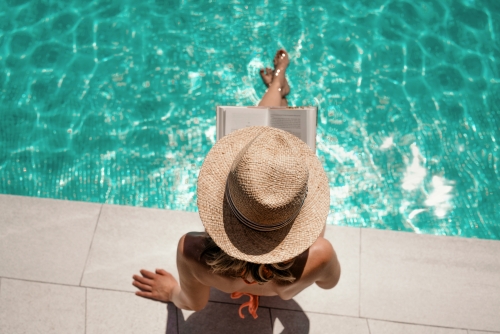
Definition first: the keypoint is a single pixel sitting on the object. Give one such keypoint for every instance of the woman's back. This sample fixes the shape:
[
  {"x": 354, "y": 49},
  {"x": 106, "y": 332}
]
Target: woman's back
[{"x": 318, "y": 264}]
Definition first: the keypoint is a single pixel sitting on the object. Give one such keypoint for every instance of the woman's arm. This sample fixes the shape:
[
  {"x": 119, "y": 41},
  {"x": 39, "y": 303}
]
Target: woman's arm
[
  {"x": 330, "y": 273},
  {"x": 190, "y": 294}
]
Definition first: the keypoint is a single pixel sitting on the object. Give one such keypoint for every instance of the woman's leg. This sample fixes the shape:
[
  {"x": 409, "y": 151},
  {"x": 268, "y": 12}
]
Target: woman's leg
[
  {"x": 284, "y": 102},
  {"x": 267, "y": 78},
  {"x": 278, "y": 87}
]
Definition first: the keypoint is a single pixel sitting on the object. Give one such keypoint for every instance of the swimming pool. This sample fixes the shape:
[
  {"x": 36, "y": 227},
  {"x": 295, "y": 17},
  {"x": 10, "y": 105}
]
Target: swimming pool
[{"x": 113, "y": 101}]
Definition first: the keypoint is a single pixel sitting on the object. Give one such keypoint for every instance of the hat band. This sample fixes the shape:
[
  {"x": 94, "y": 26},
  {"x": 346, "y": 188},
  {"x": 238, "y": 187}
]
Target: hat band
[{"x": 256, "y": 226}]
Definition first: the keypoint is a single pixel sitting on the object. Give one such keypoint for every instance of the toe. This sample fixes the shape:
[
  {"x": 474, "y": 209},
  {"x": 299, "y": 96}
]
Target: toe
[{"x": 281, "y": 59}]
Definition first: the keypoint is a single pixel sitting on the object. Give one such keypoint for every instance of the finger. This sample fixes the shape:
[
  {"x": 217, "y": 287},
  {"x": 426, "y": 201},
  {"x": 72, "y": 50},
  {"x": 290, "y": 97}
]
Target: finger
[
  {"x": 161, "y": 272},
  {"x": 142, "y": 280},
  {"x": 268, "y": 71},
  {"x": 147, "y": 274},
  {"x": 148, "y": 295},
  {"x": 143, "y": 287}
]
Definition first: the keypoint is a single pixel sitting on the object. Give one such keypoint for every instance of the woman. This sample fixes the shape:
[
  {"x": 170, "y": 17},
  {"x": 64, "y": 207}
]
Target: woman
[{"x": 263, "y": 198}]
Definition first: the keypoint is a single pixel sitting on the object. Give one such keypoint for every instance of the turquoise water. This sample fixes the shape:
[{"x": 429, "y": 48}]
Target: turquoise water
[{"x": 114, "y": 101}]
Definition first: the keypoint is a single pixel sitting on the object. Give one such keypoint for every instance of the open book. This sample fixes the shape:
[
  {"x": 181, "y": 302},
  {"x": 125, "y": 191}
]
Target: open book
[{"x": 299, "y": 121}]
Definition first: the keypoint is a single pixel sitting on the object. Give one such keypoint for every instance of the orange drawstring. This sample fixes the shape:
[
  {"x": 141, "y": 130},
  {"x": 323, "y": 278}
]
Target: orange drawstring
[{"x": 253, "y": 303}]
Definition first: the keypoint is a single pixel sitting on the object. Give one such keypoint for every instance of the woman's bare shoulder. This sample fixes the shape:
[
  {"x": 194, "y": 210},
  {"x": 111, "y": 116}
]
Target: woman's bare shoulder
[
  {"x": 324, "y": 264},
  {"x": 321, "y": 250},
  {"x": 321, "y": 254},
  {"x": 192, "y": 245},
  {"x": 318, "y": 264}
]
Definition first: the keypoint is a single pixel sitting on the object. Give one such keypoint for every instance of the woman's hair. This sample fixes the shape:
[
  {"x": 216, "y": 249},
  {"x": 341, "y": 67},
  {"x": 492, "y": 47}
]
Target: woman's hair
[{"x": 225, "y": 265}]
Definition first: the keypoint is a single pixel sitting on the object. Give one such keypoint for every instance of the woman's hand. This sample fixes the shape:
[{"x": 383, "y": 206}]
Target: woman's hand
[{"x": 160, "y": 286}]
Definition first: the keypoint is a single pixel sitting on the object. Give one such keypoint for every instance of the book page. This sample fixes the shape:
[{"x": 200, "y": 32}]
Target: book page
[
  {"x": 312, "y": 124},
  {"x": 290, "y": 120},
  {"x": 238, "y": 118}
]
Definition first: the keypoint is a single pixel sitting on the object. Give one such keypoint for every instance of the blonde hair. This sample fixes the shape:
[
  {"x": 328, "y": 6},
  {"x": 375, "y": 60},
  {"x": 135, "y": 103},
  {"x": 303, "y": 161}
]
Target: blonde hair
[{"x": 226, "y": 265}]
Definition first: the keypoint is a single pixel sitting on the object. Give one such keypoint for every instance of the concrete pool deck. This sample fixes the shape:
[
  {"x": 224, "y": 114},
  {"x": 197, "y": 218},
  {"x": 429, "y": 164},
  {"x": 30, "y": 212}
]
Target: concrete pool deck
[{"x": 66, "y": 267}]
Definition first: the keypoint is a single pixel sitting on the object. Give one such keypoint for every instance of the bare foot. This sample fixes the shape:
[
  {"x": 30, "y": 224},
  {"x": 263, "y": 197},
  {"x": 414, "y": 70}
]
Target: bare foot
[
  {"x": 158, "y": 286},
  {"x": 267, "y": 76},
  {"x": 281, "y": 61}
]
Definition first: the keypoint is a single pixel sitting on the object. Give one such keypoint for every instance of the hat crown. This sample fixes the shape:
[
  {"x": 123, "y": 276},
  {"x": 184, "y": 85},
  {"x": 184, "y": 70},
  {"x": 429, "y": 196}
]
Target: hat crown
[{"x": 268, "y": 181}]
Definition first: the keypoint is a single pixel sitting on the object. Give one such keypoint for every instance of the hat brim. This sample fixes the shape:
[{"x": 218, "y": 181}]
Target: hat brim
[{"x": 240, "y": 241}]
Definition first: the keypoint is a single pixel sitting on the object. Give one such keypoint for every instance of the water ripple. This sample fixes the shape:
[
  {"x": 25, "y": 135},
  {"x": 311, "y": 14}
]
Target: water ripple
[{"x": 113, "y": 101}]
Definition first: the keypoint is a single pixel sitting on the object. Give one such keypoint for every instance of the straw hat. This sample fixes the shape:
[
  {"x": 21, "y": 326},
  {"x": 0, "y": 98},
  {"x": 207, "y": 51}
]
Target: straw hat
[{"x": 263, "y": 195}]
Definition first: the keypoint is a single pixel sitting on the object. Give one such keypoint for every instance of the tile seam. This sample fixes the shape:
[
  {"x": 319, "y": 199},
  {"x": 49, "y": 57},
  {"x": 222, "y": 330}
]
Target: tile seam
[
  {"x": 91, "y": 243},
  {"x": 305, "y": 311},
  {"x": 43, "y": 282},
  {"x": 359, "y": 273},
  {"x": 177, "y": 327},
  {"x": 366, "y": 318},
  {"x": 85, "y": 311},
  {"x": 267, "y": 307},
  {"x": 270, "y": 310},
  {"x": 420, "y": 324},
  {"x": 65, "y": 284}
]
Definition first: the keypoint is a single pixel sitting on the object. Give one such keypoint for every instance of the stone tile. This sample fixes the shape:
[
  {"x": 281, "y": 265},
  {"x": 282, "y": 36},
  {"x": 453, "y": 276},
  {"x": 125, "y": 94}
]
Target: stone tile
[
  {"x": 344, "y": 298},
  {"x": 128, "y": 239},
  {"x": 218, "y": 318},
  {"x": 387, "y": 327},
  {"x": 31, "y": 307},
  {"x": 44, "y": 239},
  {"x": 430, "y": 280},
  {"x": 124, "y": 312},
  {"x": 297, "y": 322}
]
